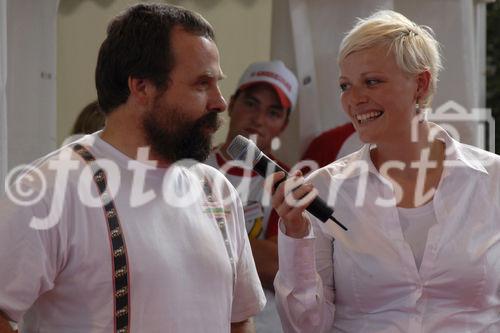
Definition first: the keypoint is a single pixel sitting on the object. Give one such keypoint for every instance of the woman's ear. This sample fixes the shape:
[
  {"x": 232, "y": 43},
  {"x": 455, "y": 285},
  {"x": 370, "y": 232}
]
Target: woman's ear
[{"x": 423, "y": 84}]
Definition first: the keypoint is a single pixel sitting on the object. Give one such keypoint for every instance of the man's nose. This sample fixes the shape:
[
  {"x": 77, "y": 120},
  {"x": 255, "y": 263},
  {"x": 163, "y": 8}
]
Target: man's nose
[
  {"x": 217, "y": 101},
  {"x": 259, "y": 117}
]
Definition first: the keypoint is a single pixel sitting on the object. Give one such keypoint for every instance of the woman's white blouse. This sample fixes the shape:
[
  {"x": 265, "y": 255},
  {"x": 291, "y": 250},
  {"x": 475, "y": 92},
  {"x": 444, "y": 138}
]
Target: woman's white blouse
[{"x": 367, "y": 281}]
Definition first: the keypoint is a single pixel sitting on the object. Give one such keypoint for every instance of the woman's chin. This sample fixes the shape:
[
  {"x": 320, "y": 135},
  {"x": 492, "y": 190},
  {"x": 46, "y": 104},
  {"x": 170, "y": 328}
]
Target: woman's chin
[{"x": 366, "y": 137}]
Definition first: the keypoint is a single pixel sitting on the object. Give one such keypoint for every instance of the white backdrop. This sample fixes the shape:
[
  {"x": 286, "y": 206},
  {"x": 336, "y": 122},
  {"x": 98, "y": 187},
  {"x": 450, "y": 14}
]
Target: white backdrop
[
  {"x": 315, "y": 29},
  {"x": 31, "y": 84}
]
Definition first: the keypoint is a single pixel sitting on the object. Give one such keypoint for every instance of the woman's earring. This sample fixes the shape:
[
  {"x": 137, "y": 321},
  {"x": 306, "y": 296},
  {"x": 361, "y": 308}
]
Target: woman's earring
[{"x": 420, "y": 113}]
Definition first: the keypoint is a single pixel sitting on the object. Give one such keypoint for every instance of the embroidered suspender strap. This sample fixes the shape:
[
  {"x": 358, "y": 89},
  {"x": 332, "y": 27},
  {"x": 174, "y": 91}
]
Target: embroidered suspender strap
[{"x": 121, "y": 284}]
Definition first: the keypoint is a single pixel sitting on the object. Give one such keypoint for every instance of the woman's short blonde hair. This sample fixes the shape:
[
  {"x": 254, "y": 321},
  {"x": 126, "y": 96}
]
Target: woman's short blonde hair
[{"x": 413, "y": 45}]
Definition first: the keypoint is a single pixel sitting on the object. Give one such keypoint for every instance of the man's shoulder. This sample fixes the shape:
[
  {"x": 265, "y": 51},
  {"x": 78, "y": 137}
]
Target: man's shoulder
[
  {"x": 43, "y": 172},
  {"x": 212, "y": 173},
  {"x": 216, "y": 180},
  {"x": 208, "y": 169},
  {"x": 212, "y": 158}
]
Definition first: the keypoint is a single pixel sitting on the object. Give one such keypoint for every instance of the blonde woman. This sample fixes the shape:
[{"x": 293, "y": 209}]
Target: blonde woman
[{"x": 422, "y": 253}]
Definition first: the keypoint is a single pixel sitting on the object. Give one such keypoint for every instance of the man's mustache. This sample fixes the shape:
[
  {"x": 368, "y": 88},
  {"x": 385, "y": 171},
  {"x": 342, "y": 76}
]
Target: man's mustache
[{"x": 211, "y": 120}]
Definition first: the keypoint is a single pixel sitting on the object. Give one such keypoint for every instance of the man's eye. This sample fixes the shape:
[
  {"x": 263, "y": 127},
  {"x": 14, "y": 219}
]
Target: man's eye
[
  {"x": 343, "y": 86},
  {"x": 250, "y": 103},
  {"x": 276, "y": 113}
]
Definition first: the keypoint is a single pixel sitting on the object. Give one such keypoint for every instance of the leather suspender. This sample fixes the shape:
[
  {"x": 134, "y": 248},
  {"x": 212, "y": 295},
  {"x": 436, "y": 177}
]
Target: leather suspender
[{"x": 121, "y": 283}]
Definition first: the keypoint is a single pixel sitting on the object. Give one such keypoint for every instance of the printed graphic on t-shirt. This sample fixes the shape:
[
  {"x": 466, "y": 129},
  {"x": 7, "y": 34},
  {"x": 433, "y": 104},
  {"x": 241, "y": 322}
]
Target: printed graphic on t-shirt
[
  {"x": 211, "y": 206},
  {"x": 254, "y": 219}
]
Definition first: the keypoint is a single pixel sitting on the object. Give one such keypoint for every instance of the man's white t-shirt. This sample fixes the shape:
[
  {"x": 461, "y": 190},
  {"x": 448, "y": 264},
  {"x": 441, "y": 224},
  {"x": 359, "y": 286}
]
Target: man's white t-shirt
[{"x": 56, "y": 275}]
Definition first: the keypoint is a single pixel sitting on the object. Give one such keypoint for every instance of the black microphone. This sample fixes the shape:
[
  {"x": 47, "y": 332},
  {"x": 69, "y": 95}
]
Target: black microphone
[{"x": 245, "y": 150}]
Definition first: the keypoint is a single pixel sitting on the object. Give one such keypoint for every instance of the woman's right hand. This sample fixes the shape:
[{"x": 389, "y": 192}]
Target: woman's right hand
[{"x": 290, "y": 199}]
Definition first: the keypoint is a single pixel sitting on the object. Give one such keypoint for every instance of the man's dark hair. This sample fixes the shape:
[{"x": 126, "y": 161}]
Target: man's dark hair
[{"x": 138, "y": 45}]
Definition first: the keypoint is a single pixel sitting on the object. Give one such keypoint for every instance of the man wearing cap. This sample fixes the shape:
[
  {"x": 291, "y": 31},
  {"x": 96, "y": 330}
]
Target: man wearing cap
[{"x": 259, "y": 110}]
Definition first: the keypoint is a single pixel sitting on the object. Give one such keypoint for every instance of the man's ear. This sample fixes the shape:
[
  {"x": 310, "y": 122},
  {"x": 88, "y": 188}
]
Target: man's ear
[
  {"x": 423, "y": 84},
  {"x": 143, "y": 91}
]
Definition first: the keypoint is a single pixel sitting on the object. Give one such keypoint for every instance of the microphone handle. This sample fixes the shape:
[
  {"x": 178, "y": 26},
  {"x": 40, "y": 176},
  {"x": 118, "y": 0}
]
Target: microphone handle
[{"x": 317, "y": 207}]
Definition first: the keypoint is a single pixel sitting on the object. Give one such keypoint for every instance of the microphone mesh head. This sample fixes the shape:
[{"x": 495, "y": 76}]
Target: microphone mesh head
[{"x": 241, "y": 148}]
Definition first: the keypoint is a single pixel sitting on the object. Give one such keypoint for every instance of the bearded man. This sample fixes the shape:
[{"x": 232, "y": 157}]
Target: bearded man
[{"x": 131, "y": 233}]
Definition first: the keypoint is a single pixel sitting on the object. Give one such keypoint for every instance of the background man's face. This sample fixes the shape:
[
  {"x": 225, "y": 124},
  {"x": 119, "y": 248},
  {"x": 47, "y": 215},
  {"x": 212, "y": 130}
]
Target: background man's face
[
  {"x": 257, "y": 110},
  {"x": 184, "y": 117}
]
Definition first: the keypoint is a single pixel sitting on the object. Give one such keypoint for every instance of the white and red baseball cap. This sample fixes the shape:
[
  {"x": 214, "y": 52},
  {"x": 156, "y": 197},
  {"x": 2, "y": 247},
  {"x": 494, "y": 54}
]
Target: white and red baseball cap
[{"x": 277, "y": 75}]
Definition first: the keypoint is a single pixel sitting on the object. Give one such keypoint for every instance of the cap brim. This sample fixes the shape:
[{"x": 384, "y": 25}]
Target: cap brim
[{"x": 285, "y": 102}]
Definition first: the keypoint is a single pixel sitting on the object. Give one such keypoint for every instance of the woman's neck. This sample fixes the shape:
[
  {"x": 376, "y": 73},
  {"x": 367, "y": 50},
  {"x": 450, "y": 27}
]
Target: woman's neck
[
  {"x": 417, "y": 166},
  {"x": 409, "y": 150}
]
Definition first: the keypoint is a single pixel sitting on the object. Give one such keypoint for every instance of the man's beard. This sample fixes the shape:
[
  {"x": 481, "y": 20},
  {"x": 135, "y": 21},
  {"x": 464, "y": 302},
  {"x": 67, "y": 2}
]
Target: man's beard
[{"x": 173, "y": 137}]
